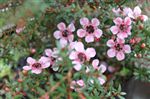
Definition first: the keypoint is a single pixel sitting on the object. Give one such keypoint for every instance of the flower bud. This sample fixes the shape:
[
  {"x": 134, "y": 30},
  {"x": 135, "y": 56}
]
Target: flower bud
[
  {"x": 20, "y": 80},
  {"x": 141, "y": 26},
  {"x": 25, "y": 72},
  {"x": 143, "y": 45}
]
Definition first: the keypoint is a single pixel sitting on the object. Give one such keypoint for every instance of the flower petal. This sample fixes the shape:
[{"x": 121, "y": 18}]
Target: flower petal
[
  {"x": 79, "y": 47},
  {"x": 37, "y": 71},
  {"x": 102, "y": 68},
  {"x": 114, "y": 29},
  {"x": 122, "y": 35},
  {"x": 118, "y": 21},
  {"x": 61, "y": 26},
  {"x": 80, "y": 83},
  {"x": 98, "y": 33},
  {"x": 77, "y": 67},
  {"x": 70, "y": 38},
  {"x": 137, "y": 11},
  {"x": 111, "y": 52},
  {"x": 30, "y": 60},
  {"x": 57, "y": 34},
  {"x": 73, "y": 55},
  {"x": 84, "y": 21},
  {"x": 43, "y": 59},
  {"x": 71, "y": 27},
  {"x": 81, "y": 33},
  {"x": 101, "y": 80},
  {"x": 63, "y": 42},
  {"x": 26, "y": 67},
  {"x": 95, "y": 63},
  {"x": 120, "y": 56},
  {"x": 90, "y": 52},
  {"x": 110, "y": 43},
  {"x": 89, "y": 38},
  {"x": 127, "y": 48},
  {"x": 95, "y": 22},
  {"x": 48, "y": 52},
  {"x": 127, "y": 21}
]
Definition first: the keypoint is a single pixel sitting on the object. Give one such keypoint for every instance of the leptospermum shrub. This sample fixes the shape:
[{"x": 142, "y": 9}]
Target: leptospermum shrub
[{"x": 89, "y": 54}]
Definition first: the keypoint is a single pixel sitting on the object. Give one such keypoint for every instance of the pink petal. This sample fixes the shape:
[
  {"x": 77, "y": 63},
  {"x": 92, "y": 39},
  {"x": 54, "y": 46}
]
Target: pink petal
[
  {"x": 81, "y": 33},
  {"x": 71, "y": 37},
  {"x": 114, "y": 29},
  {"x": 48, "y": 52},
  {"x": 98, "y": 33},
  {"x": 118, "y": 20},
  {"x": 37, "y": 71},
  {"x": 101, "y": 80},
  {"x": 137, "y": 11},
  {"x": 131, "y": 15},
  {"x": 46, "y": 65},
  {"x": 89, "y": 38},
  {"x": 84, "y": 21},
  {"x": 73, "y": 55},
  {"x": 57, "y": 34},
  {"x": 63, "y": 42},
  {"x": 95, "y": 22},
  {"x": 71, "y": 27},
  {"x": 127, "y": 48},
  {"x": 61, "y": 26},
  {"x": 120, "y": 41},
  {"x": 26, "y": 67},
  {"x": 30, "y": 60},
  {"x": 120, "y": 56},
  {"x": 79, "y": 47},
  {"x": 80, "y": 83},
  {"x": 90, "y": 52},
  {"x": 127, "y": 21},
  {"x": 102, "y": 68},
  {"x": 77, "y": 67},
  {"x": 111, "y": 52},
  {"x": 143, "y": 17},
  {"x": 122, "y": 35},
  {"x": 43, "y": 59},
  {"x": 110, "y": 43},
  {"x": 95, "y": 63}
]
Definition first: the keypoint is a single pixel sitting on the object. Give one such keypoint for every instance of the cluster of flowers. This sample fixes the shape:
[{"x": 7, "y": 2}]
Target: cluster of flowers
[
  {"x": 90, "y": 31},
  {"x": 122, "y": 29}
]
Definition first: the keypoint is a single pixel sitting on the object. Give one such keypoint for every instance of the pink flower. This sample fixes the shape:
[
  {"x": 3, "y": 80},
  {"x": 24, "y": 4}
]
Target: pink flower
[
  {"x": 37, "y": 66},
  {"x": 77, "y": 85},
  {"x": 101, "y": 80},
  {"x": 64, "y": 34},
  {"x": 123, "y": 11},
  {"x": 117, "y": 48},
  {"x": 96, "y": 65},
  {"x": 136, "y": 14},
  {"x": 90, "y": 29},
  {"x": 122, "y": 27},
  {"x": 52, "y": 55},
  {"x": 80, "y": 55}
]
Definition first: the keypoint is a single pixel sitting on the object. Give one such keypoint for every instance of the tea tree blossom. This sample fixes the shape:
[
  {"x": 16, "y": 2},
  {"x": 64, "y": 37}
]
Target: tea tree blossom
[
  {"x": 97, "y": 66},
  {"x": 90, "y": 29},
  {"x": 122, "y": 27},
  {"x": 137, "y": 14},
  {"x": 80, "y": 55},
  {"x": 64, "y": 34},
  {"x": 36, "y": 66},
  {"x": 77, "y": 85},
  {"x": 118, "y": 48},
  {"x": 123, "y": 11}
]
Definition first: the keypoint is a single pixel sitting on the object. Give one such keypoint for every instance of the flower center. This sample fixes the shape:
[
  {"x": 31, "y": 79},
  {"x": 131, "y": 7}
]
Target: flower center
[
  {"x": 118, "y": 47},
  {"x": 123, "y": 27},
  {"x": 36, "y": 65},
  {"x": 90, "y": 29},
  {"x": 65, "y": 33},
  {"x": 82, "y": 57}
]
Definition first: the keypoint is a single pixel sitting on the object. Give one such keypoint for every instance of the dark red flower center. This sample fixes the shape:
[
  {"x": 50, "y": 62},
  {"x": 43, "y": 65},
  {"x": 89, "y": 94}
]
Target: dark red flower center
[
  {"x": 65, "y": 33},
  {"x": 36, "y": 65},
  {"x": 82, "y": 57},
  {"x": 90, "y": 29},
  {"x": 118, "y": 47},
  {"x": 123, "y": 27}
]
